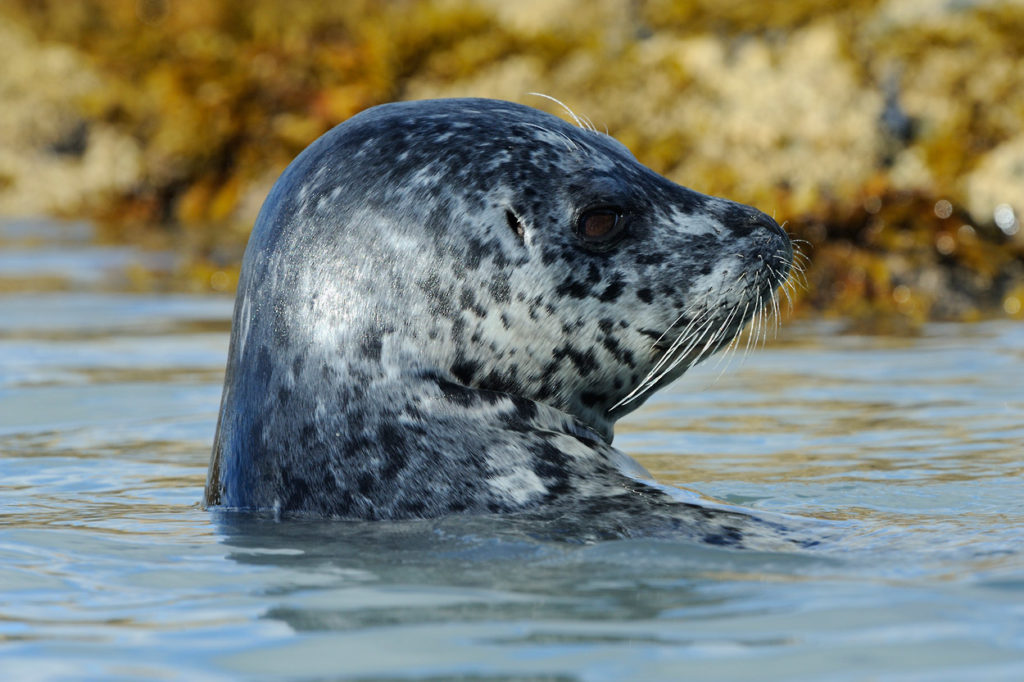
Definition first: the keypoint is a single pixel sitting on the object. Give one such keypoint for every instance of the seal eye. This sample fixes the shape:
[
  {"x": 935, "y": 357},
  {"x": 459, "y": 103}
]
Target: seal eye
[{"x": 600, "y": 225}]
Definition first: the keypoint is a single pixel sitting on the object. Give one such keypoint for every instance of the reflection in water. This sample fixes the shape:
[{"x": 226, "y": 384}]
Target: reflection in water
[{"x": 360, "y": 574}]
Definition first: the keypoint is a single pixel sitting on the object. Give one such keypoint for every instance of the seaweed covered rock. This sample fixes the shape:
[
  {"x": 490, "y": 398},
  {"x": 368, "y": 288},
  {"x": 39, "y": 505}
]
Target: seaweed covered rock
[
  {"x": 53, "y": 157},
  {"x": 887, "y": 135}
]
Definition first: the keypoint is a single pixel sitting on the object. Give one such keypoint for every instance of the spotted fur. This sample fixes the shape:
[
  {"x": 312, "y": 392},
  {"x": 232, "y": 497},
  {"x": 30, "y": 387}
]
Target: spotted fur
[{"x": 420, "y": 329}]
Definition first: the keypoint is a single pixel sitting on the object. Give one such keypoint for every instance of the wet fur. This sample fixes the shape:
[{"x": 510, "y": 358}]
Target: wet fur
[{"x": 419, "y": 330}]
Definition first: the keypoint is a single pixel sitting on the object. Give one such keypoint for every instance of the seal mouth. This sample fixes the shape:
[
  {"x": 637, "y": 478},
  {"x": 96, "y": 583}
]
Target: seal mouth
[
  {"x": 662, "y": 340},
  {"x": 686, "y": 342}
]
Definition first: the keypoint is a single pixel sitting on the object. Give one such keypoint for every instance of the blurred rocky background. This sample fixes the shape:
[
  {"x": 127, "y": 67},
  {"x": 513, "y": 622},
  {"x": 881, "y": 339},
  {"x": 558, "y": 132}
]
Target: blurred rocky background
[{"x": 887, "y": 134}]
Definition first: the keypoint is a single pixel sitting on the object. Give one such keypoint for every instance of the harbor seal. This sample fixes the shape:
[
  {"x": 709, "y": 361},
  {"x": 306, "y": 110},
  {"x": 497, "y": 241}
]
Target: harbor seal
[{"x": 445, "y": 306}]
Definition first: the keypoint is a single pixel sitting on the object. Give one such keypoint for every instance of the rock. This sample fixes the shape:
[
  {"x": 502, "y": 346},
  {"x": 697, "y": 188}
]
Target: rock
[{"x": 52, "y": 158}]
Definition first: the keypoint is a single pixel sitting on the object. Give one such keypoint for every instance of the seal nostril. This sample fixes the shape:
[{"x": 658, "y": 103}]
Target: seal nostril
[
  {"x": 745, "y": 220},
  {"x": 515, "y": 225},
  {"x": 764, "y": 220}
]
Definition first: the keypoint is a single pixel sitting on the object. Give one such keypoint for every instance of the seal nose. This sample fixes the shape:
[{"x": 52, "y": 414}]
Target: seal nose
[
  {"x": 767, "y": 223},
  {"x": 746, "y": 222},
  {"x": 760, "y": 219}
]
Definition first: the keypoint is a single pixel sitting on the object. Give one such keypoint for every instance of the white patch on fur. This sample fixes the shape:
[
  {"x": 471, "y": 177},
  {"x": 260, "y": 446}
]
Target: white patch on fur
[{"x": 519, "y": 486}]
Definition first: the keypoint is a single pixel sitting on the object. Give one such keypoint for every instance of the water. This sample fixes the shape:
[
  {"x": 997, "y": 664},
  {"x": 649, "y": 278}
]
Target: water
[{"x": 910, "y": 449}]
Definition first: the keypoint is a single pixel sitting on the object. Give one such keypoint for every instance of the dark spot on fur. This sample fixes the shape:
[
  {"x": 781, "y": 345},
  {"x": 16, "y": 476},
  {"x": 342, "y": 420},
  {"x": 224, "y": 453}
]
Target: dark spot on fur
[
  {"x": 475, "y": 251},
  {"x": 499, "y": 289},
  {"x": 545, "y": 390},
  {"x": 393, "y": 441},
  {"x": 728, "y": 536},
  {"x": 494, "y": 381},
  {"x": 467, "y": 300},
  {"x": 296, "y": 490},
  {"x": 653, "y": 258},
  {"x": 465, "y": 371},
  {"x": 370, "y": 347},
  {"x": 584, "y": 362},
  {"x": 365, "y": 483},
  {"x": 645, "y": 295},
  {"x": 573, "y": 288},
  {"x": 329, "y": 483},
  {"x": 552, "y": 466},
  {"x": 613, "y": 290},
  {"x": 456, "y": 394},
  {"x": 438, "y": 295},
  {"x": 264, "y": 367},
  {"x": 525, "y": 410},
  {"x": 309, "y": 436}
]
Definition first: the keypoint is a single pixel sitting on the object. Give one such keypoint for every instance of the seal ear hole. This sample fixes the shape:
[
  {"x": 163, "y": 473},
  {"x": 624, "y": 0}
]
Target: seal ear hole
[{"x": 515, "y": 225}]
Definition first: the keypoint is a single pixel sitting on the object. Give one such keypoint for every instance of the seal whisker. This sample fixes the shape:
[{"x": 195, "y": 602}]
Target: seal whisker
[
  {"x": 691, "y": 336},
  {"x": 797, "y": 269},
  {"x": 726, "y": 354},
  {"x": 710, "y": 337},
  {"x": 751, "y": 338},
  {"x": 711, "y": 342},
  {"x": 762, "y": 321},
  {"x": 755, "y": 327},
  {"x": 706, "y": 334},
  {"x": 775, "y": 314},
  {"x": 789, "y": 299},
  {"x": 799, "y": 265},
  {"x": 691, "y": 331},
  {"x": 669, "y": 328},
  {"x": 572, "y": 114},
  {"x": 680, "y": 338}
]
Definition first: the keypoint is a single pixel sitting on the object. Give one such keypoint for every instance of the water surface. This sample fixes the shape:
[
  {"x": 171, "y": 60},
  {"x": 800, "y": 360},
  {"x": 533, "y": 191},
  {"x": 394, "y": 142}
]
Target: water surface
[{"x": 909, "y": 449}]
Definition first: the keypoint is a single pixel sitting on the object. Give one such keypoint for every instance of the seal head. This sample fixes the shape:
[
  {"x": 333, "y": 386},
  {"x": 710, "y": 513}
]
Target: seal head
[{"x": 446, "y": 305}]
